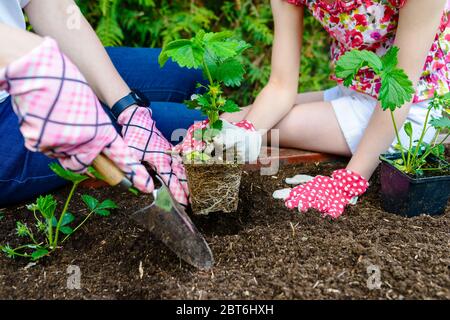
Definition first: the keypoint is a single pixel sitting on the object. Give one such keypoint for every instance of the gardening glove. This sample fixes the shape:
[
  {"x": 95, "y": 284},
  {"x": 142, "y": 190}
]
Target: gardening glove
[
  {"x": 329, "y": 195},
  {"x": 60, "y": 116},
  {"x": 241, "y": 136},
  {"x": 150, "y": 146}
]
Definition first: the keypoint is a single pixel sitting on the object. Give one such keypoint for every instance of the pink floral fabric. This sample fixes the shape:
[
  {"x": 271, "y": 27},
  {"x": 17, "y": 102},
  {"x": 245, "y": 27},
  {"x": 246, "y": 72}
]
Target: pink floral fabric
[{"x": 371, "y": 25}]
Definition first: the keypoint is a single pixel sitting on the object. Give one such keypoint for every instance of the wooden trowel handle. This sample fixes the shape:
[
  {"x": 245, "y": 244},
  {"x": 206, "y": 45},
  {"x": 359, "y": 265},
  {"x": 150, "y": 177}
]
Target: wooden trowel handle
[{"x": 111, "y": 174}]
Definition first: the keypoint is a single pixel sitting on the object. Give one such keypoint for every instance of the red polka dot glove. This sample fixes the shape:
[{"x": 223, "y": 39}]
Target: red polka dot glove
[
  {"x": 241, "y": 135},
  {"x": 150, "y": 146},
  {"x": 329, "y": 195},
  {"x": 60, "y": 115}
]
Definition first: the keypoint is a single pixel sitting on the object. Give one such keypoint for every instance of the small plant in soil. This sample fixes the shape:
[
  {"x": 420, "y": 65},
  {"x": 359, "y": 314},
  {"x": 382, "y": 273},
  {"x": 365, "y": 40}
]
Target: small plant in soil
[
  {"x": 51, "y": 230},
  {"x": 403, "y": 189},
  {"x": 214, "y": 183}
]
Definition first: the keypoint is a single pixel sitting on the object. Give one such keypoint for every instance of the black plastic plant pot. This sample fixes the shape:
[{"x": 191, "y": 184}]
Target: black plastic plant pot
[{"x": 408, "y": 196}]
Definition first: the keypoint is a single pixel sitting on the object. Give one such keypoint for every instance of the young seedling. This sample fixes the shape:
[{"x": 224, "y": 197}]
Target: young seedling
[
  {"x": 218, "y": 55},
  {"x": 397, "y": 90},
  {"x": 49, "y": 227}
]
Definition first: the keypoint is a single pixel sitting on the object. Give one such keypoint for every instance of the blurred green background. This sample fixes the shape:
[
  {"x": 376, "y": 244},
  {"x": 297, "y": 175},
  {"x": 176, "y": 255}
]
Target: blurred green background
[{"x": 152, "y": 23}]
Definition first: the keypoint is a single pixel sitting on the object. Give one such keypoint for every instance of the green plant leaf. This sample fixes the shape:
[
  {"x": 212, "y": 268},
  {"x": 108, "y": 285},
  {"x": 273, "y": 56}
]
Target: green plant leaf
[
  {"x": 230, "y": 72},
  {"x": 66, "y": 174},
  {"x": 107, "y": 204},
  {"x": 68, "y": 218},
  {"x": 102, "y": 212},
  {"x": 350, "y": 63},
  {"x": 390, "y": 59},
  {"x": 39, "y": 253},
  {"x": 441, "y": 123},
  {"x": 2, "y": 215},
  {"x": 230, "y": 107},
  {"x": 90, "y": 202},
  {"x": 396, "y": 89},
  {"x": 8, "y": 251},
  {"x": 66, "y": 230},
  {"x": 46, "y": 206},
  {"x": 184, "y": 52},
  {"x": 21, "y": 229},
  {"x": 218, "y": 125},
  {"x": 223, "y": 50},
  {"x": 408, "y": 129}
]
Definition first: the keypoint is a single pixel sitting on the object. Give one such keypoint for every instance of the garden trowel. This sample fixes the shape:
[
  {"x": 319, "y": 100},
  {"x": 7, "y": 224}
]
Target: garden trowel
[{"x": 165, "y": 218}]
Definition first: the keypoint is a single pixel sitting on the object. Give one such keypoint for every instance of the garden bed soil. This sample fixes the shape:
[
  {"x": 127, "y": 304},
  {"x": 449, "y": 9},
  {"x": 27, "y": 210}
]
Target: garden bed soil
[{"x": 263, "y": 251}]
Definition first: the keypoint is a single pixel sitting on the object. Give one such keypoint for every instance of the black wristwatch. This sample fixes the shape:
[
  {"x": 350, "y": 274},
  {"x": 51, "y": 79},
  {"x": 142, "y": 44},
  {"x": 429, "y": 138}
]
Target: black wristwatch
[{"x": 134, "y": 98}]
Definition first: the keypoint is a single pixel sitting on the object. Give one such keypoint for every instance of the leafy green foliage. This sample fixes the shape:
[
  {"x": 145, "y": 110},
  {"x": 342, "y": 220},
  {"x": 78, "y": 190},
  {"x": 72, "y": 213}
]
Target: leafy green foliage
[
  {"x": 218, "y": 55},
  {"x": 66, "y": 174},
  {"x": 397, "y": 90},
  {"x": 155, "y": 23},
  {"x": 49, "y": 225},
  {"x": 99, "y": 208}
]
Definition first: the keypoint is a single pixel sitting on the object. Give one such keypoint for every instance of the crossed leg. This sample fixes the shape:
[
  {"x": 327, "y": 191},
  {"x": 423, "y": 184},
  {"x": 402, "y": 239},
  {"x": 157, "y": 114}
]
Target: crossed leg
[{"x": 310, "y": 125}]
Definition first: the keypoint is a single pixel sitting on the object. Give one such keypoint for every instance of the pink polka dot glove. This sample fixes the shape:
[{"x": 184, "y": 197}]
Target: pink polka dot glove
[
  {"x": 329, "y": 195},
  {"x": 150, "y": 146},
  {"x": 61, "y": 117},
  {"x": 241, "y": 135}
]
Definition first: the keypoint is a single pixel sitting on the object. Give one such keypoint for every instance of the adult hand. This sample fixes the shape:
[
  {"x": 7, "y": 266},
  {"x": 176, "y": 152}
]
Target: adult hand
[
  {"x": 150, "y": 146},
  {"x": 329, "y": 195},
  {"x": 241, "y": 136},
  {"x": 61, "y": 116}
]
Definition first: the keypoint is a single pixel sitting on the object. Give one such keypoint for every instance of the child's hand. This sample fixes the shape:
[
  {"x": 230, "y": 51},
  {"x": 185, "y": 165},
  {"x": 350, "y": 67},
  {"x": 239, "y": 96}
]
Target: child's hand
[
  {"x": 241, "y": 135},
  {"x": 329, "y": 195}
]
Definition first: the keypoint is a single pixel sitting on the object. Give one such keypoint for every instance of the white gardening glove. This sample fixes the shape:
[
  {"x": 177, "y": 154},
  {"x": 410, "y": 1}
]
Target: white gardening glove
[{"x": 242, "y": 137}]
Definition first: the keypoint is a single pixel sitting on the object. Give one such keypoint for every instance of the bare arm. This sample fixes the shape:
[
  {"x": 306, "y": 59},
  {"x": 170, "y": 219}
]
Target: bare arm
[
  {"x": 80, "y": 44},
  {"x": 418, "y": 25},
  {"x": 279, "y": 95},
  {"x": 20, "y": 42}
]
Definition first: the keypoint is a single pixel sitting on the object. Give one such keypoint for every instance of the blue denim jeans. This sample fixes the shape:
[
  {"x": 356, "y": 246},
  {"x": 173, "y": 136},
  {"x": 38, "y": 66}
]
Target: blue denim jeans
[{"x": 25, "y": 174}]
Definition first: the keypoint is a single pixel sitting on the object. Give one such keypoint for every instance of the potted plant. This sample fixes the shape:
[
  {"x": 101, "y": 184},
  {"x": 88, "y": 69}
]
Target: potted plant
[
  {"x": 416, "y": 179},
  {"x": 214, "y": 176}
]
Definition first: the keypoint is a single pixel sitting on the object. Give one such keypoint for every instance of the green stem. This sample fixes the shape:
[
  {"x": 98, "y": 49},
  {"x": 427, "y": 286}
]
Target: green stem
[
  {"x": 422, "y": 136},
  {"x": 66, "y": 206},
  {"x": 398, "y": 137},
  {"x": 78, "y": 227},
  {"x": 32, "y": 237},
  {"x": 208, "y": 73}
]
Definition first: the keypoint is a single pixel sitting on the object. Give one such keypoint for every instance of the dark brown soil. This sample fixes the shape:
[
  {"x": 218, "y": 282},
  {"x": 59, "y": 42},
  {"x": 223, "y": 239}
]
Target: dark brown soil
[{"x": 263, "y": 251}]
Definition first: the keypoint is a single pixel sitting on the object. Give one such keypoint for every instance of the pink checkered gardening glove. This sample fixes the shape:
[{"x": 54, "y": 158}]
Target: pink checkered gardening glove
[
  {"x": 241, "y": 135},
  {"x": 329, "y": 195},
  {"x": 150, "y": 146},
  {"x": 60, "y": 115}
]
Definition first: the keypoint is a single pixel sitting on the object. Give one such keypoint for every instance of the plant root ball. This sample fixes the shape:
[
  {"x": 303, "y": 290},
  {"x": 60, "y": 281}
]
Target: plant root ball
[{"x": 214, "y": 187}]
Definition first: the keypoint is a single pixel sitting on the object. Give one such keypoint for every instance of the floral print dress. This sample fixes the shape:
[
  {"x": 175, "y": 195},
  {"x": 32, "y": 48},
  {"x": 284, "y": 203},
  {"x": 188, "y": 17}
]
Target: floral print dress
[{"x": 372, "y": 25}]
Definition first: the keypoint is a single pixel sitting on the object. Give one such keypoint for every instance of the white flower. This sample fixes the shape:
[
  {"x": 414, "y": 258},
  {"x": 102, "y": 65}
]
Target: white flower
[{"x": 194, "y": 97}]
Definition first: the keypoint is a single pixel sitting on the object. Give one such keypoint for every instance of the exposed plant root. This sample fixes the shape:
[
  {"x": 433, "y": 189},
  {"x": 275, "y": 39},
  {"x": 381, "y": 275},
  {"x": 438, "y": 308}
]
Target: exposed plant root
[{"x": 214, "y": 187}]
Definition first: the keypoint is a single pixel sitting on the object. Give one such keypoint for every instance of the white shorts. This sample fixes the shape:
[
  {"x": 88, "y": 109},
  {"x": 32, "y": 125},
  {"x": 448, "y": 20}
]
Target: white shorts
[{"x": 354, "y": 110}]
